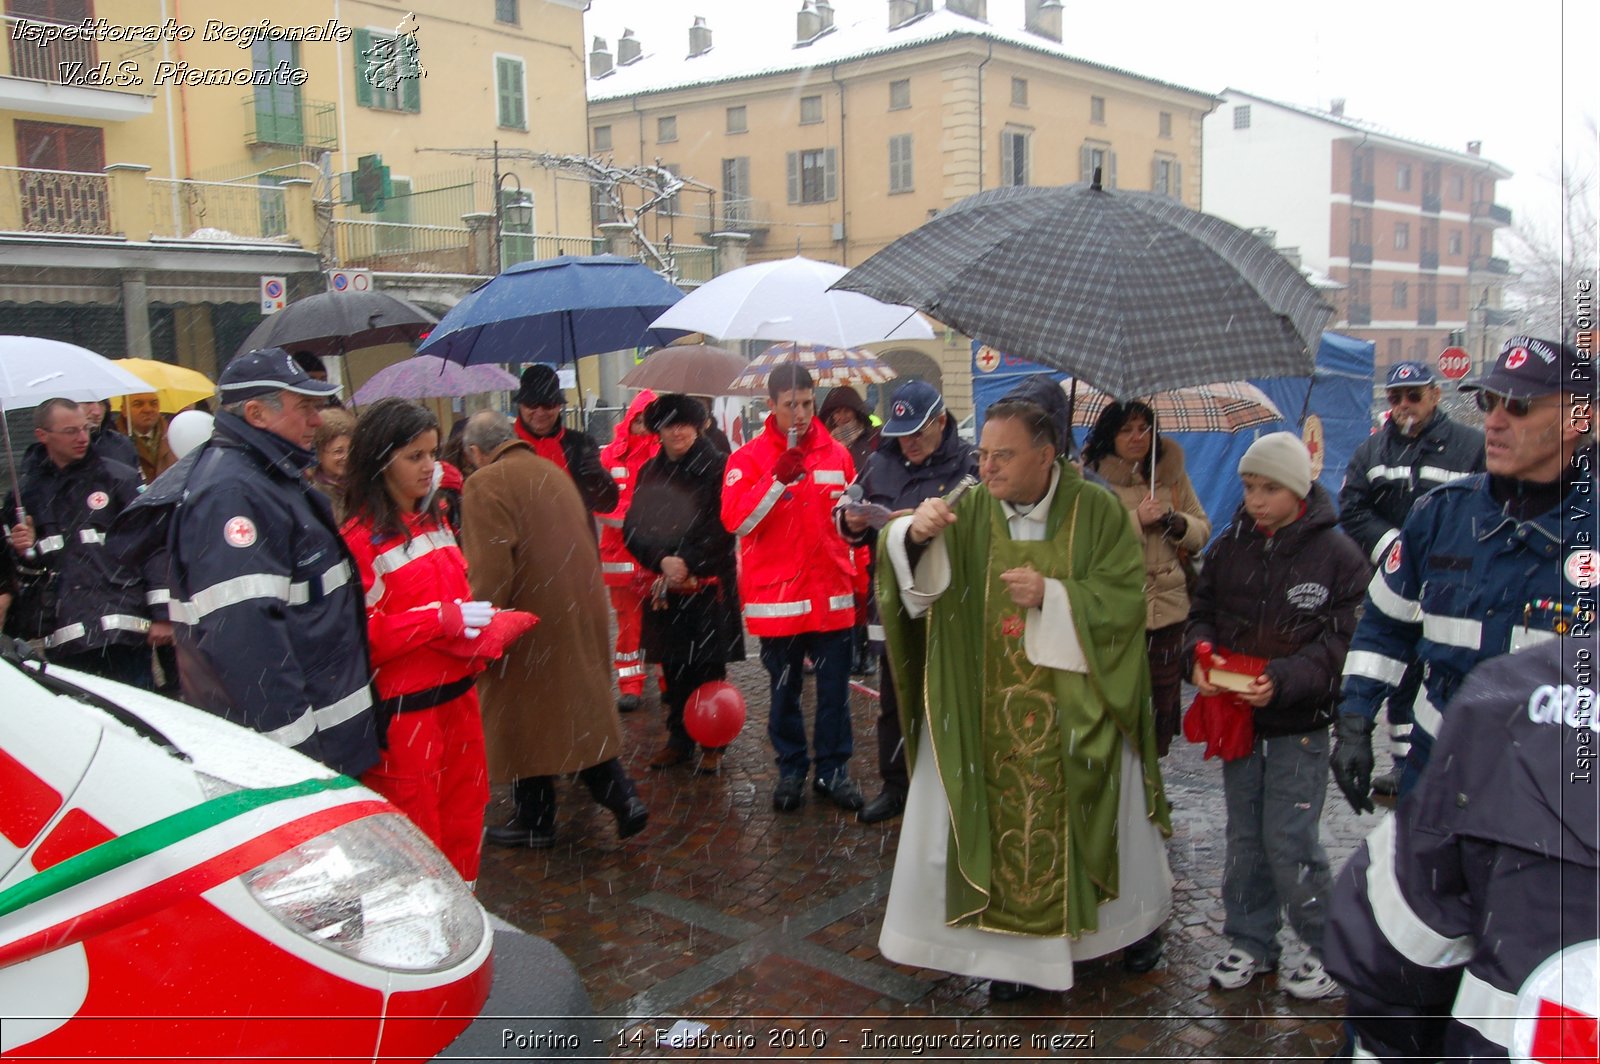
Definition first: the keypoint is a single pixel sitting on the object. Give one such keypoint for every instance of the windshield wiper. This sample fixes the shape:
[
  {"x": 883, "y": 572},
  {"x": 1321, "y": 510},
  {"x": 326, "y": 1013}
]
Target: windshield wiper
[{"x": 20, "y": 654}]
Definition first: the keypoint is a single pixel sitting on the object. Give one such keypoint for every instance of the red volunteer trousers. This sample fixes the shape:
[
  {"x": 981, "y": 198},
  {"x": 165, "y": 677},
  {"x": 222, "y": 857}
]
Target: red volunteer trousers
[
  {"x": 628, "y": 659},
  {"x": 434, "y": 771}
]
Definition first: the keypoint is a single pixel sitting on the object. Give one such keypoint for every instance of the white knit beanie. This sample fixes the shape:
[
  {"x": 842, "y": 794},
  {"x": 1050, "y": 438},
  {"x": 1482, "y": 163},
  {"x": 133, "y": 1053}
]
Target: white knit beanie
[{"x": 1280, "y": 456}]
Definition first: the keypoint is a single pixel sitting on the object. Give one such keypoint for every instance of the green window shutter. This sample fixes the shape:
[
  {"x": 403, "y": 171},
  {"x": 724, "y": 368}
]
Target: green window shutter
[
  {"x": 830, "y": 173},
  {"x": 363, "y": 40},
  {"x": 508, "y": 91},
  {"x": 794, "y": 177},
  {"x": 519, "y": 103},
  {"x": 411, "y": 85}
]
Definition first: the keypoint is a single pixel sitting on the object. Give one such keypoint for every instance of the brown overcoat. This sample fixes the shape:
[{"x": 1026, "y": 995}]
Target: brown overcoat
[{"x": 547, "y": 705}]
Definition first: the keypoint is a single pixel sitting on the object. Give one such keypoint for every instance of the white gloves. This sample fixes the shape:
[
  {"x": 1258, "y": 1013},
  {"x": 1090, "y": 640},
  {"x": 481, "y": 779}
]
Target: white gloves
[{"x": 476, "y": 616}]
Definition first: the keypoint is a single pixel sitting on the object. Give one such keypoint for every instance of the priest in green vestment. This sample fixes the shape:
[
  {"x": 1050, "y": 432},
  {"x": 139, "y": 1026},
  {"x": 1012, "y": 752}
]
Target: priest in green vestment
[{"x": 1015, "y": 630}]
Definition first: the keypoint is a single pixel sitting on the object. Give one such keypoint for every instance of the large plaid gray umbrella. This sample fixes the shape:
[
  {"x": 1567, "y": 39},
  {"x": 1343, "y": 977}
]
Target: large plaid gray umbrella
[{"x": 1132, "y": 292}]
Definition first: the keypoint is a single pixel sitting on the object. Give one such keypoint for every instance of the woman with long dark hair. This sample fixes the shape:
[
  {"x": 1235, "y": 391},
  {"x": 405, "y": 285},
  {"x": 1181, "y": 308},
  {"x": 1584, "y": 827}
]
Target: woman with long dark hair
[
  {"x": 1173, "y": 527},
  {"x": 420, "y": 624}
]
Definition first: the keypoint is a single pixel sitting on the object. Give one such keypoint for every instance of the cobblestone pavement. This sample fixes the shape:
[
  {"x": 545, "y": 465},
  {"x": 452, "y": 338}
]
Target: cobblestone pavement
[{"x": 763, "y": 926}]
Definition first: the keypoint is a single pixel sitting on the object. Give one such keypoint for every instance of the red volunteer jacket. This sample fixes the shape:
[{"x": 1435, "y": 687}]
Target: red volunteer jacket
[
  {"x": 622, "y": 458},
  {"x": 404, "y": 584},
  {"x": 795, "y": 572}
]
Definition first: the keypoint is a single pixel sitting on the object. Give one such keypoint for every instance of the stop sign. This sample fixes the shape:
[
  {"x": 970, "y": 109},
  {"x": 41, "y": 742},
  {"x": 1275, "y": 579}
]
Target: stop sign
[{"x": 1454, "y": 363}]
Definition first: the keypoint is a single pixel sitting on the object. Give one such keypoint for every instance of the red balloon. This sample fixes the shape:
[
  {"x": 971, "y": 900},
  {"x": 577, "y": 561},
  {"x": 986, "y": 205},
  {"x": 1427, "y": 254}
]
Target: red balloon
[{"x": 714, "y": 713}]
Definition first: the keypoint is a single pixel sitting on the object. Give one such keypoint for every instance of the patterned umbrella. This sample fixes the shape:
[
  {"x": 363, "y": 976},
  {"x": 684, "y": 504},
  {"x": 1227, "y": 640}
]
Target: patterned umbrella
[
  {"x": 828, "y": 366},
  {"x": 1131, "y": 291},
  {"x": 430, "y": 377},
  {"x": 1227, "y": 407}
]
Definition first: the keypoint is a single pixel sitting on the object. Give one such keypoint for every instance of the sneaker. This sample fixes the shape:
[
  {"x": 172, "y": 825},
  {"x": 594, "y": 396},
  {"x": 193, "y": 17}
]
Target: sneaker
[
  {"x": 1308, "y": 982},
  {"x": 841, "y": 790},
  {"x": 790, "y": 794},
  {"x": 1236, "y": 970}
]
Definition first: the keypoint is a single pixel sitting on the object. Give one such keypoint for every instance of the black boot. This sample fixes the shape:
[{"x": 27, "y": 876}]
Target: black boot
[
  {"x": 608, "y": 782},
  {"x": 1144, "y": 954},
  {"x": 534, "y": 826},
  {"x": 999, "y": 990}
]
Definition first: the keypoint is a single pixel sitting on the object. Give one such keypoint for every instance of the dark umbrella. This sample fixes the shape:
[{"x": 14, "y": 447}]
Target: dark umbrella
[
  {"x": 335, "y": 322},
  {"x": 556, "y": 310},
  {"x": 1131, "y": 291},
  {"x": 693, "y": 369}
]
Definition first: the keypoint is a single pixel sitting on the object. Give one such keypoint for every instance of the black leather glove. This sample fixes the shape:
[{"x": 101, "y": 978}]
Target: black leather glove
[{"x": 1352, "y": 760}]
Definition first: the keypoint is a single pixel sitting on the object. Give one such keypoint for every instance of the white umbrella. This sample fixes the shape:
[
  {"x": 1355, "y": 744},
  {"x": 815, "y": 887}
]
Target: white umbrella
[
  {"x": 33, "y": 369},
  {"x": 790, "y": 300}
]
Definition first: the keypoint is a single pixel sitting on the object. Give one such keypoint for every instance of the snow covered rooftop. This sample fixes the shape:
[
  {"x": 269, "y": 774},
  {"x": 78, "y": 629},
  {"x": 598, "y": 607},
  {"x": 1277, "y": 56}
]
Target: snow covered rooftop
[{"x": 746, "y": 47}]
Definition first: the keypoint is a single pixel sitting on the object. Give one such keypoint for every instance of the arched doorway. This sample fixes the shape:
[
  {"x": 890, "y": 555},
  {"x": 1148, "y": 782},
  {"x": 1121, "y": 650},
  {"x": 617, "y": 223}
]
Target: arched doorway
[{"x": 908, "y": 364}]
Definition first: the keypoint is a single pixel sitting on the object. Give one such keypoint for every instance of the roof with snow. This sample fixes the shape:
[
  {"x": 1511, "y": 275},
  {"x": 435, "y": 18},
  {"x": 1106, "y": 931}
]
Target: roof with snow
[{"x": 748, "y": 49}]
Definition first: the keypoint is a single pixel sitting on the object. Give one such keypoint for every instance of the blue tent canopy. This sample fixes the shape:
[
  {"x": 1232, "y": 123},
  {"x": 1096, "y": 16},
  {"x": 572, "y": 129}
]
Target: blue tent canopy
[{"x": 1340, "y": 403}]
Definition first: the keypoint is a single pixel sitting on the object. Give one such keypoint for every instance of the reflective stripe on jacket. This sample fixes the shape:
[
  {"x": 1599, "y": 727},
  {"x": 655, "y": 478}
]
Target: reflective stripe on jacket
[{"x": 622, "y": 458}]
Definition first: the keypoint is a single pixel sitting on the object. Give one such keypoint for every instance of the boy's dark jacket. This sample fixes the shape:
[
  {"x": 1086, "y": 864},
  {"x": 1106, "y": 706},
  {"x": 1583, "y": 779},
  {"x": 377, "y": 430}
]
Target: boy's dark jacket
[{"x": 1291, "y": 598}]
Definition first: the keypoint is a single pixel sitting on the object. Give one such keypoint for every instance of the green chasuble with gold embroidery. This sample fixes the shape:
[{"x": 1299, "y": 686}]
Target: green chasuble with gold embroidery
[{"x": 1030, "y": 757}]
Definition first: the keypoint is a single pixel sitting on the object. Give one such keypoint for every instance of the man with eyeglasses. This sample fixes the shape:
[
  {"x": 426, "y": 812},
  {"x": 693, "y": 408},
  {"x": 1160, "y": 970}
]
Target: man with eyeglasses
[
  {"x": 90, "y": 612},
  {"x": 1418, "y": 448},
  {"x": 1485, "y": 565},
  {"x": 920, "y": 455},
  {"x": 540, "y": 402}
]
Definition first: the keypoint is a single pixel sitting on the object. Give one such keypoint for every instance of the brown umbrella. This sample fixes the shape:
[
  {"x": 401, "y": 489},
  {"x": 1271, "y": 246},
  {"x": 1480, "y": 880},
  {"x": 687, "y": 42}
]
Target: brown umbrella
[{"x": 693, "y": 369}]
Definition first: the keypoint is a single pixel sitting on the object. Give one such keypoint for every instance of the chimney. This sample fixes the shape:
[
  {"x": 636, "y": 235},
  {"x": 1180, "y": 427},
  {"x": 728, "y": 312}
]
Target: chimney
[
  {"x": 628, "y": 48},
  {"x": 699, "y": 37},
  {"x": 807, "y": 24},
  {"x": 599, "y": 59},
  {"x": 1336, "y": 108},
  {"x": 1042, "y": 18},
  {"x": 1474, "y": 147},
  {"x": 825, "y": 12},
  {"x": 901, "y": 12},
  {"x": 975, "y": 9}
]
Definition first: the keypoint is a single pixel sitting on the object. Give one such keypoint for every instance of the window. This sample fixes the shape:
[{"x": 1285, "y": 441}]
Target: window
[
  {"x": 1419, "y": 349},
  {"x": 1402, "y": 293},
  {"x": 1458, "y": 187},
  {"x": 388, "y": 71},
  {"x": 1402, "y": 236},
  {"x": 812, "y": 176},
  {"x": 1164, "y": 124},
  {"x": 506, "y": 11},
  {"x": 1455, "y": 241},
  {"x": 1452, "y": 297},
  {"x": 1167, "y": 179},
  {"x": 810, "y": 110},
  {"x": 1013, "y": 157},
  {"x": 900, "y": 163},
  {"x": 511, "y": 92},
  {"x": 1019, "y": 92},
  {"x": 736, "y": 190},
  {"x": 1098, "y": 156},
  {"x": 738, "y": 120},
  {"x": 1097, "y": 109},
  {"x": 278, "y": 116},
  {"x": 666, "y": 129},
  {"x": 396, "y": 211},
  {"x": 1402, "y": 177},
  {"x": 602, "y": 138},
  {"x": 1241, "y": 116},
  {"x": 900, "y": 94},
  {"x": 669, "y": 206}
]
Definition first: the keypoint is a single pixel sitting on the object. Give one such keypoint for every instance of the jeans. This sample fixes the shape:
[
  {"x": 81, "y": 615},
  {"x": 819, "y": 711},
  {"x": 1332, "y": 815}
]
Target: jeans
[
  {"x": 784, "y": 659},
  {"x": 1275, "y": 861}
]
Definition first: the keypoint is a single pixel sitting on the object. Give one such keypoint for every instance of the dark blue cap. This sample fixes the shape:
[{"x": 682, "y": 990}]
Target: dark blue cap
[
  {"x": 264, "y": 371},
  {"x": 1409, "y": 375},
  {"x": 914, "y": 405},
  {"x": 1529, "y": 367}
]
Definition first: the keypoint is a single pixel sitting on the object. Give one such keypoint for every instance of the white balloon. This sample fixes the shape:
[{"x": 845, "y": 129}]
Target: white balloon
[{"x": 188, "y": 430}]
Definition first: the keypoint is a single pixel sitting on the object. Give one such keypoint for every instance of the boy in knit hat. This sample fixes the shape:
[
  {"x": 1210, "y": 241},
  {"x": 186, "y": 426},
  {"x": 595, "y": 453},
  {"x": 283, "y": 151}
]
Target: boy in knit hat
[{"x": 1281, "y": 584}]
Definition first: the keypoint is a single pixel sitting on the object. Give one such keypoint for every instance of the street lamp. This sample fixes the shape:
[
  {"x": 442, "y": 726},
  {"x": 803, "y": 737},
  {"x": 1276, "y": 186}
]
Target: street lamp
[{"x": 513, "y": 209}]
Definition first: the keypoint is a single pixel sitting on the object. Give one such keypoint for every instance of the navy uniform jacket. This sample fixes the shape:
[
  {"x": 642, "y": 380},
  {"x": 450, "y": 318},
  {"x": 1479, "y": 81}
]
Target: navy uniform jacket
[
  {"x": 269, "y": 618},
  {"x": 1389, "y": 471},
  {"x": 1455, "y": 913},
  {"x": 1465, "y": 582}
]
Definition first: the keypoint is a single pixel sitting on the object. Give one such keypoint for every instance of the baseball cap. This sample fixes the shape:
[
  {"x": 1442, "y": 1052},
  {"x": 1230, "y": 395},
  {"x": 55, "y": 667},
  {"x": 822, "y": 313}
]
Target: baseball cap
[
  {"x": 1529, "y": 367},
  {"x": 264, "y": 371},
  {"x": 913, "y": 406},
  {"x": 1409, "y": 375}
]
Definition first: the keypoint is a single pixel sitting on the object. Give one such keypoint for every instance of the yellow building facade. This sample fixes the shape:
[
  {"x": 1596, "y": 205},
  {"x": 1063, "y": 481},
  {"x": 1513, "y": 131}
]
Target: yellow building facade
[
  {"x": 158, "y": 158},
  {"x": 836, "y": 141}
]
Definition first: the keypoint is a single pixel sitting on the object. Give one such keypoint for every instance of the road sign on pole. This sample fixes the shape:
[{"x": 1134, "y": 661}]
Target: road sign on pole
[
  {"x": 350, "y": 280},
  {"x": 1454, "y": 362},
  {"x": 274, "y": 294}
]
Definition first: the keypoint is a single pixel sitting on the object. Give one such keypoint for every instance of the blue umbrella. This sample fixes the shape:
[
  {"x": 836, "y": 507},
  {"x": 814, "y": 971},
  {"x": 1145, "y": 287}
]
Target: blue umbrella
[{"x": 556, "y": 310}]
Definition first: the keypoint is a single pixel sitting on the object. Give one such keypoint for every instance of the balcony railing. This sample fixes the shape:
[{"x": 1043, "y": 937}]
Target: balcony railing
[
  {"x": 1360, "y": 252},
  {"x": 1362, "y": 192},
  {"x": 1360, "y": 314},
  {"x": 1427, "y": 315},
  {"x": 1489, "y": 264},
  {"x": 1492, "y": 213},
  {"x": 359, "y": 242},
  {"x": 735, "y": 215},
  {"x": 216, "y": 210},
  {"x": 1431, "y": 203},
  {"x": 31, "y": 57},
  {"x": 1428, "y": 260},
  {"x": 273, "y": 119},
  {"x": 54, "y": 201},
  {"x": 526, "y": 247},
  {"x": 693, "y": 265}
]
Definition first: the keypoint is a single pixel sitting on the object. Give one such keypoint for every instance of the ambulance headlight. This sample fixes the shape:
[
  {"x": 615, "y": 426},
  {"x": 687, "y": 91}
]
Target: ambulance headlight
[{"x": 377, "y": 890}]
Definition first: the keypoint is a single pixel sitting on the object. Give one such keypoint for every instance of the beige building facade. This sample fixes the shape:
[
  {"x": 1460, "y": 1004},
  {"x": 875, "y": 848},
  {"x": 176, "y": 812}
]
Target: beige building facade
[{"x": 874, "y": 117}]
